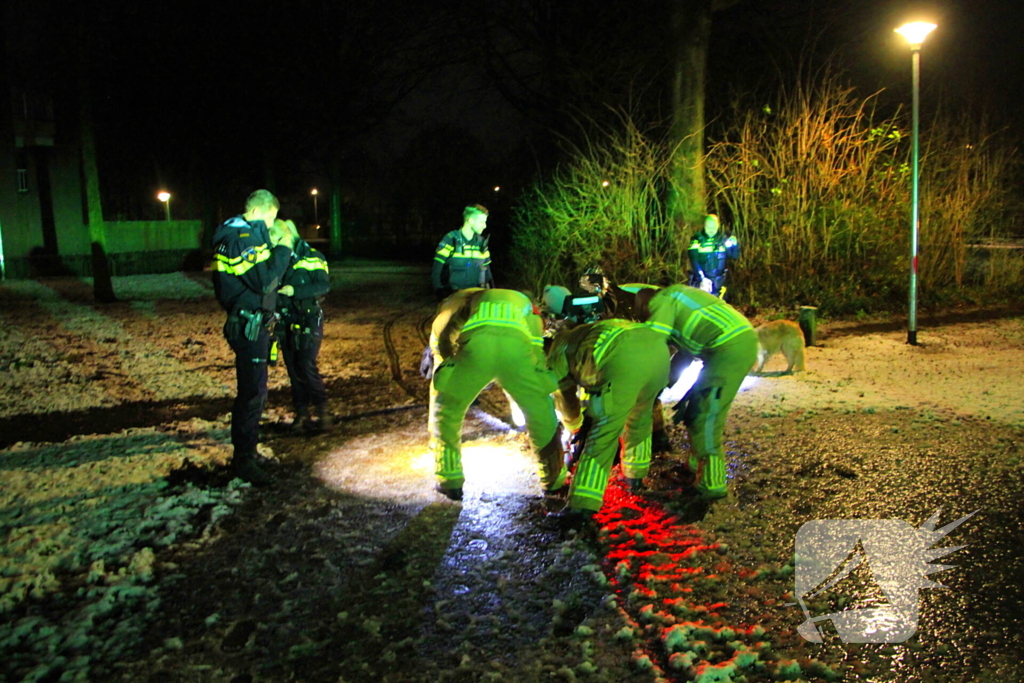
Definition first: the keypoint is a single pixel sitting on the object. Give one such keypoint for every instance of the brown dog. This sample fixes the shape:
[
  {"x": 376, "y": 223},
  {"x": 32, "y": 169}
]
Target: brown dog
[{"x": 780, "y": 335}]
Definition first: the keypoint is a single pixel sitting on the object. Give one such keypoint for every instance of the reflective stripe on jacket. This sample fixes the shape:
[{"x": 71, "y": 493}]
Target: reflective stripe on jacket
[
  {"x": 695, "y": 320},
  {"x": 468, "y": 262},
  {"x": 708, "y": 255},
  {"x": 247, "y": 270},
  {"x": 309, "y": 277},
  {"x": 469, "y": 310},
  {"x": 579, "y": 353}
]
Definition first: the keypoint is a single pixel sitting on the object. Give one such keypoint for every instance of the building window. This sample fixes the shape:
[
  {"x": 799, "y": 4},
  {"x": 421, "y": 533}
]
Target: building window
[{"x": 22, "y": 180}]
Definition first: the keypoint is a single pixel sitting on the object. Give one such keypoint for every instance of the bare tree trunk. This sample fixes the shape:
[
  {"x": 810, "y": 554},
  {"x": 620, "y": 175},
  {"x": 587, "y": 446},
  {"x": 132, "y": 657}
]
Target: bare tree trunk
[
  {"x": 103, "y": 288},
  {"x": 691, "y": 32}
]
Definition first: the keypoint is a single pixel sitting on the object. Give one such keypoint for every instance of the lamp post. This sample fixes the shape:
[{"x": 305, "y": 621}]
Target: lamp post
[
  {"x": 316, "y": 218},
  {"x": 915, "y": 33},
  {"x": 165, "y": 197}
]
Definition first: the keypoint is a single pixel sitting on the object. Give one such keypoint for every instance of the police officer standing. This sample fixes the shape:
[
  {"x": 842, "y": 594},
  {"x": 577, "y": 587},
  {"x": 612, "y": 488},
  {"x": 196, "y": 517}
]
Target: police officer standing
[
  {"x": 710, "y": 251},
  {"x": 300, "y": 327},
  {"x": 463, "y": 258},
  {"x": 247, "y": 271}
]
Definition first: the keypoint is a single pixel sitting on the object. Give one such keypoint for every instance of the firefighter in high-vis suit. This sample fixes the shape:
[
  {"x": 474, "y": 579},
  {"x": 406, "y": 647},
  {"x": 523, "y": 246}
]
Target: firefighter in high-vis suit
[
  {"x": 703, "y": 326},
  {"x": 623, "y": 366},
  {"x": 479, "y": 336}
]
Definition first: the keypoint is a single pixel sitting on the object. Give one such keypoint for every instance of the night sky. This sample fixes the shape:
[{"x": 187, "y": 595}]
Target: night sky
[{"x": 212, "y": 99}]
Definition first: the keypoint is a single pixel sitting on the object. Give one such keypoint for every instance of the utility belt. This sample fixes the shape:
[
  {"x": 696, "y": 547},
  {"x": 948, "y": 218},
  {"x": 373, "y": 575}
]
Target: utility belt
[
  {"x": 301, "y": 315},
  {"x": 299, "y": 322},
  {"x": 296, "y": 307},
  {"x": 247, "y": 324}
]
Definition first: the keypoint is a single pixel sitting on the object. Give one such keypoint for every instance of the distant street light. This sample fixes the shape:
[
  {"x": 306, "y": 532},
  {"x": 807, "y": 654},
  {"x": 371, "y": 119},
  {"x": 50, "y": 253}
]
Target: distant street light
[
  {"x": 165, "y": 197},
  {"x": 316, "y": 218},
  {"x": 915, "y": 33}
]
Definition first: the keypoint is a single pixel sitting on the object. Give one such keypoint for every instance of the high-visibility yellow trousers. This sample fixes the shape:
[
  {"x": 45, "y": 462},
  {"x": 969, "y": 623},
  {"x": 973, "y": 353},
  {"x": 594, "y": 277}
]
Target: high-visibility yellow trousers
[
  {"x": 636, "y": 371},
  {"x": 708, "y": 406},
  {"x": 507, "y": 356}
]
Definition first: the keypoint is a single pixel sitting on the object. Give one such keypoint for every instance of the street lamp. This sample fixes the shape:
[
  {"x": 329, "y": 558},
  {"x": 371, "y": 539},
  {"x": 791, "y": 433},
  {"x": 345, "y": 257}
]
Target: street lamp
[
  {"x": 316, "y": 218},
  {"x": 915, "y": 33},
  {"x": 165, "y": 197}
]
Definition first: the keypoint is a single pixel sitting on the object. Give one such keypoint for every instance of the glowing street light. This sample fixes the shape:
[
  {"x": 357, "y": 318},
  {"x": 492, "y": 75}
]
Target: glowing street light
[
  {"x": 165, "y": 197},
  {"x": 316, "y": 218},
  {"x": 915, "y": 33}
]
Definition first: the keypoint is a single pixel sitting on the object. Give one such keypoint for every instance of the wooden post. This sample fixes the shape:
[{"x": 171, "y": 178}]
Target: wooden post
[{"x": 809, "y": 324}]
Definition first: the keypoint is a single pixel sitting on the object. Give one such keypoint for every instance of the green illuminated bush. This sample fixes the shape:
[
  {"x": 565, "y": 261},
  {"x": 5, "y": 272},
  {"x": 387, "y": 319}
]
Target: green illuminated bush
[{"x": 816, "y": 186}]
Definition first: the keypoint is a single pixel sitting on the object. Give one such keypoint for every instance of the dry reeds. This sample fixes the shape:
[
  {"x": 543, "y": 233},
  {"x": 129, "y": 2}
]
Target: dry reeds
[{"x": 816, "y": 187}]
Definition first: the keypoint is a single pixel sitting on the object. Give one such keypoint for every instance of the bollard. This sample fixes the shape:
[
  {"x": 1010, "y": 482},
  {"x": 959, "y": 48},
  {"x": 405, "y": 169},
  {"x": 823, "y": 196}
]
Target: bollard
[{"x": 809, "y": 324}]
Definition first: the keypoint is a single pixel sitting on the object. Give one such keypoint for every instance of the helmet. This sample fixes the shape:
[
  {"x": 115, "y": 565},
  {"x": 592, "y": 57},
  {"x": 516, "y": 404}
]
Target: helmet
[{"x": 554, "y": 298}]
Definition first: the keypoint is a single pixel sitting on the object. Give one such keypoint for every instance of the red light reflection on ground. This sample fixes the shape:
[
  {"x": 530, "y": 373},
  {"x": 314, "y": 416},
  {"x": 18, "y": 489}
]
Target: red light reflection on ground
[{"x": 654, "y": 562}]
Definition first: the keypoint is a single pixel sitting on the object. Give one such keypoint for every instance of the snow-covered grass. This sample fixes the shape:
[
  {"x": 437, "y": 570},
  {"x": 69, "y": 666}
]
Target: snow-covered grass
[
  {"x": 167, "y": 286},
  {"x": 85, "y": 524},
  {"x": 88, "y": 524}
]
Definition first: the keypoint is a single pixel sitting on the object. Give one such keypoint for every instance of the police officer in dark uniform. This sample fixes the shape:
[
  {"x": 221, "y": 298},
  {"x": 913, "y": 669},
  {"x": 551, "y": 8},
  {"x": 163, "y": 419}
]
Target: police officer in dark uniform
[
  {"x": 462, "y": 258},
  {"x": 247, "y": 271},
  {"x": 709, "y": 252},
  {"x": 300, "y": 327}
]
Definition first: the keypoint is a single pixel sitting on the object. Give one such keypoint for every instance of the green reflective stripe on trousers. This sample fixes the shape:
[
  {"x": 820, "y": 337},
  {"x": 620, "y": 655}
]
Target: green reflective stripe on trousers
[
  {"x": 713, "y": 475},
  {"x": 710, "y": 448},
  {"x": 447, "y": 462},
  {"x": 637, "y": 458},
  {"x": 591, "y": 481}
]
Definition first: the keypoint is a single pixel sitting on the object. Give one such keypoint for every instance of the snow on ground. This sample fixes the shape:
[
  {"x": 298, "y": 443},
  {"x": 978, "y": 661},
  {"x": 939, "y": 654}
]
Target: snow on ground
[
  {"x": 89, "y": 517},
  {"x": 43, "y": 375},
  {"x": 969, "y": 369}
]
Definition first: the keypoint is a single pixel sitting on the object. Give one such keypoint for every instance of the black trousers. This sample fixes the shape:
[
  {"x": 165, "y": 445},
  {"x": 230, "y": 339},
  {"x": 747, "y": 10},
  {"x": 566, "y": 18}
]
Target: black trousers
[
  {"x": 251, "y": 375},
  {"x": 300, "y": 351}
]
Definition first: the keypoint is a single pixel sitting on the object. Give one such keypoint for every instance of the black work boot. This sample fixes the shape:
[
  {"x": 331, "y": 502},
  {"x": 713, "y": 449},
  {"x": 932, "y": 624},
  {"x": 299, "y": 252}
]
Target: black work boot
[
  {"x": 324, "y": 417},
  {"x": 660, "y": 442},
  {"x": 248, "y": 469},
  {"x": 451, "y": 493},
  {"x": 552, "y": 461},
  {"x": 575, "y": 520},
  {"x": 302, "y": 422}
]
